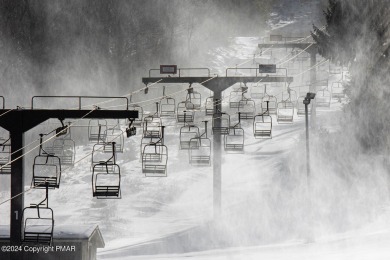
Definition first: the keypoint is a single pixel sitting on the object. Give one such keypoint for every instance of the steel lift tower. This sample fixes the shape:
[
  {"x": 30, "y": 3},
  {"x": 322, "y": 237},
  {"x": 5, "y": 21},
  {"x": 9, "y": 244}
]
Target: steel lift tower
[{"x": 17, "y": 122}]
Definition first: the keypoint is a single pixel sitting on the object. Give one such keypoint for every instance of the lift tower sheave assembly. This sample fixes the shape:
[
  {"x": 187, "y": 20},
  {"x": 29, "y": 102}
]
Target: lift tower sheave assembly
[
  {"x": 19, "y": 121},
  {"x": 217, "y": 85}
]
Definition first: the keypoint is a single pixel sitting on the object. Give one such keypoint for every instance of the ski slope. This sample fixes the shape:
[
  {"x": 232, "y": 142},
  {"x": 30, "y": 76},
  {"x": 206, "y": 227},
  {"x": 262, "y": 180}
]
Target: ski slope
[{"x": 265, "y": 212}]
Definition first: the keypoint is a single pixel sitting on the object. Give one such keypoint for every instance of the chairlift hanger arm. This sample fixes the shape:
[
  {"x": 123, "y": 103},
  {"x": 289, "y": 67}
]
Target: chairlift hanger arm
[{"x": 45, "y": 199}]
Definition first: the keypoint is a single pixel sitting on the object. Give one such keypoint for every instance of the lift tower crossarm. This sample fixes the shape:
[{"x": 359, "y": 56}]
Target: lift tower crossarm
[
  {"x": 34, "y": 117},
  {"x": 217, "y": 84},
  {"x": 19, "y": 121}
]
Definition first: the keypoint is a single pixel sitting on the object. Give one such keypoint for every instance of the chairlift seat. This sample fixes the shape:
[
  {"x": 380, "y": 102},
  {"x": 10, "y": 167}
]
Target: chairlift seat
[
  {"x": 195, "y": 99},
  {"x": 114, "y": 135},
  {"x": 100, "y": 157},
  {"x": 272, "y": 105},
  {"x": 37, "y": 227},
  {"x": 187, "y": 133},
  {"x": 225, "y": 124},
  {"x": 185, "y": 117},
  {"x": 65, "y": 150},
  {"x": 235, "y": 97},
  {"x": 5, "y": 156},
  {"x": 209, "y": 106},
  {"x": 234, "y": 141},
  {"x": 46, "y": 169},
  {"x": 106, "y": 179},
  {"x": 323, "y": 98},
  {"x": 262, "y": 126},
  {"x": 106, "y": 191},
  {"x": 337, "y": 90},
  {"x": 154, "y": 160},
  {"x": 200, "y": 152},
  {"x": 247, "y": 109},
  {"x": 96, "y": 130},
  {"x": 167, "y": 107},
  {"x": 285, "y": 112},
  {"x": 152, "y": 127}
]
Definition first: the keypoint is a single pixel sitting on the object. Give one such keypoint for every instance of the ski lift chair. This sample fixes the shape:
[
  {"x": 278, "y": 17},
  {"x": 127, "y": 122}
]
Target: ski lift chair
[
  {"x": 146, "y": 141},
  {"x": 106, "y": 178},
  {"x": 96, "y": 130},
  {"x": 223, "y": 129},
  {"x": 247, "y": 108},
  {"x": 290, "y": 95},
  {"x": 257, "y": 92},
  {"x": 184, "y": 112},
  {"x": 136, "y": 121},
  {"x": 65, "y": 150},
  {"x": 323, "y": 98},
  {"x": 200, "y": 150},
  {"x": 152, "y": 127},
  {"x": 337, "y": 90},
  {"x": 46, "y": 169},
  {"x": 167, "y": 106},
  {"x": 99, "y": 155},
  {"x": 272, "y": 105},
  {"x": 209, "y": 106},
  {"x": 106, "y": 181},
  {"x": 114, "y": 135},
  {"x": 188, "y": 133},
  {"x": 234, "y": 141},
  {"x": 285, "y": 112},
  {"x": 194, "y": 98},
  {"x": 262, "y": 126},
  {"x": 38, "y": 223},
  {"x": 5, "y": 156},
  {"x": 235, "y": 97},
  {"x": 154, "y": 160}
]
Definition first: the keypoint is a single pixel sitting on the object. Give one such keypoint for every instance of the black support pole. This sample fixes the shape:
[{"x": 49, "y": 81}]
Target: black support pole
[
  {"x": 217, "y": 160},
  {"x": 307, "y": 145},
  {"x": 17, "y": 185},
  {"x": 313, "y": 79}
]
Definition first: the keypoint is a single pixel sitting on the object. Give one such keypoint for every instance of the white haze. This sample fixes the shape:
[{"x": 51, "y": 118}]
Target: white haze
[{"x": 267, "y": 208}]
